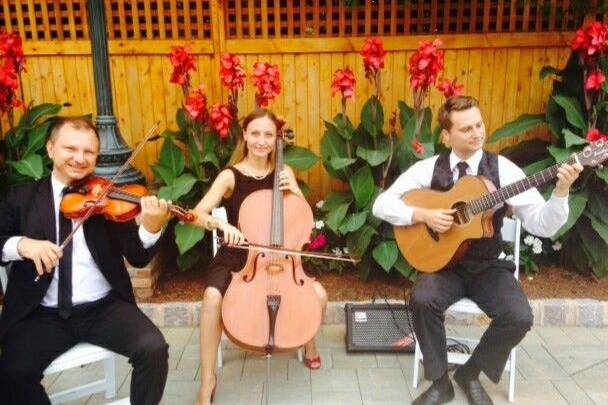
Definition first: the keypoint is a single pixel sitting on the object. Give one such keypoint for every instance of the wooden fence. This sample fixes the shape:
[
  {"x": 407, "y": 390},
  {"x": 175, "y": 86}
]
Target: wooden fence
[{"x": 494, "y": 47}]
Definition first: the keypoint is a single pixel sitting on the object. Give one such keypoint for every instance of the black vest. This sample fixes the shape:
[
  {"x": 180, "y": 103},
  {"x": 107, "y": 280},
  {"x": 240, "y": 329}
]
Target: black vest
[{"x": 485, "y": 249}]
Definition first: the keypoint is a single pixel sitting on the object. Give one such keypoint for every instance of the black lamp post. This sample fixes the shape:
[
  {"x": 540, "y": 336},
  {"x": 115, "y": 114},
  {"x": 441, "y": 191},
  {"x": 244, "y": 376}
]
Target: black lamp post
[{"x": 114, "y": 150}]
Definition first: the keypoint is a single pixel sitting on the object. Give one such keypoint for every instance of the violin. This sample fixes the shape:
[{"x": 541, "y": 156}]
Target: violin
[
  {"x": 120, "y": 204},
  {"x": 271, "y": 303}
]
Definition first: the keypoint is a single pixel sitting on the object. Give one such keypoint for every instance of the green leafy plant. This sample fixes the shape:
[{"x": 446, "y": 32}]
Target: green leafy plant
[
  {"x": 22, "y": 147},
  {"x": 192, "y": 156},
  {"x": 368, "y": 159},
  {"x": 577, "y": 113}
]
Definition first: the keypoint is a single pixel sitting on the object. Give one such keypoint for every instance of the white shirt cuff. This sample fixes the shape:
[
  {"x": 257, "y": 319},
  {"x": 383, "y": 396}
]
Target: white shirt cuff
[
  {"x": 9, "y": 251},
  {"x": 148, "y": 239},
  {"x": 561, "y": 202}
]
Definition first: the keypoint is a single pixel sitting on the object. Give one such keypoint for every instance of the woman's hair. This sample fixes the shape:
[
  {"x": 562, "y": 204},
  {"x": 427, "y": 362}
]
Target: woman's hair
[{"x": 240, "y": 150}]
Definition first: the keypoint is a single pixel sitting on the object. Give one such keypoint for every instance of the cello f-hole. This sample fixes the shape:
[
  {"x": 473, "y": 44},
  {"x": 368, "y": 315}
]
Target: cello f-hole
[{"x": 255, "y": 269}]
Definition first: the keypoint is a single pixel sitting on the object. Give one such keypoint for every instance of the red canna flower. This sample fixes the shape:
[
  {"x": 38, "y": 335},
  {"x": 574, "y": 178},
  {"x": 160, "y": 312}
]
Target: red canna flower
[
  {"x": 183, "y": 62},
  {"x": 231, "y": 72},
  {"x": 373, "y": 53},
  {"x": 595, "y": 135},
  {"x": 220, "y": 119},
  {"x": 418, "y": 147},
  {"x": 196, "y": 104},
  {"x": 591, "y": 41},
  {"x": 426, "y": 64},
  {"x": 450, "y": 88},
  {"x": 318, "y": 242},
  {"x": 344, "y": 82},
  {"x": 9, "y": 83},
  {"x": 267, "y": 79},
  {"x": 11, "y": 47},
  {"x": 595, "y": 80}
]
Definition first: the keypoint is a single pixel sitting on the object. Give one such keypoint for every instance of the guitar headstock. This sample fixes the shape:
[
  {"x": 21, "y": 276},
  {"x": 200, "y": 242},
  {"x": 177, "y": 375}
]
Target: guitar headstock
[{"x": 593, "y": 154}]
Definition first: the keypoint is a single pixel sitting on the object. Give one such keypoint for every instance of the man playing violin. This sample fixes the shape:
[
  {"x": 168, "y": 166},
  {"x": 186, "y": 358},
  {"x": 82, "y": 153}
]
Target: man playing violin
[
  {"x": 57, "y": 298},
  {"x": 481, "y": 275}
]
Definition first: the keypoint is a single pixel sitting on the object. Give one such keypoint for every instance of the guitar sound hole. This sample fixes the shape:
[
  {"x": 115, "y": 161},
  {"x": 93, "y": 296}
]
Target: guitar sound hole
[{"x": 461, "y": 215}]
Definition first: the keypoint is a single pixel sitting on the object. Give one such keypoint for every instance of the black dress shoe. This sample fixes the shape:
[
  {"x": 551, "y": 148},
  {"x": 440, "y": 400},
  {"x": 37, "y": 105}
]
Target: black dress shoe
[
  {"x": 435, "y": 396},
  {"x": 475, "y": 392}
]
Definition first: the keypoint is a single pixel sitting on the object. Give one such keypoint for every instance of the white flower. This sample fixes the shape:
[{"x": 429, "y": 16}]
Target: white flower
[
  {"x": 537, "y": 249},
  {"x": 529, "y": 240},
  {"x": 319, "y": 204},
  {"x": 319, "y": 224},
  {"x": 556, "y": 246},
  {"x": 336, "y": 251},
  {"x": 345, "y": 250},
  {"x": 538, "y": 243}
]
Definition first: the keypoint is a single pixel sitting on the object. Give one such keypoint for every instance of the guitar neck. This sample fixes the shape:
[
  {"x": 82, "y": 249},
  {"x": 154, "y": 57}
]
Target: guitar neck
[{"x": 499, "y": 196}]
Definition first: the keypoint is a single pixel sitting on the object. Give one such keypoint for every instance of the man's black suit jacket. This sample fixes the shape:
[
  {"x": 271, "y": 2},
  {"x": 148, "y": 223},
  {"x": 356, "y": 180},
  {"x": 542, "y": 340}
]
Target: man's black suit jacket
[{"x": 28, "y": 210}]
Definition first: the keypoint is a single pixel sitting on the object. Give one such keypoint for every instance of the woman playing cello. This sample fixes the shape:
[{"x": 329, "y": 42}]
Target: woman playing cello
[{"x": 251, "y": 169}]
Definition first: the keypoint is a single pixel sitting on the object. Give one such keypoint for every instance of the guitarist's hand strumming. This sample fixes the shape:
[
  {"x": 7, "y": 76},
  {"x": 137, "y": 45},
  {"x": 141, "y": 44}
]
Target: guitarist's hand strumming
[{"x": 439, "y": 220}]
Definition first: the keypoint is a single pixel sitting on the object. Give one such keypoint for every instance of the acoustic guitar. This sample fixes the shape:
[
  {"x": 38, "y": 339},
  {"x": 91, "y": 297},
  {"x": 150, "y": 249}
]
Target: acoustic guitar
[{"x": 475, "y": 199}]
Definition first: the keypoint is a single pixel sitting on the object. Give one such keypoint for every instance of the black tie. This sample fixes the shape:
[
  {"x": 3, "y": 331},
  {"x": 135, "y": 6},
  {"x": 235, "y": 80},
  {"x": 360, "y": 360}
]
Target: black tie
[
  {"x": 65, "y": 269},
  {"x": 462, "y": 168}
]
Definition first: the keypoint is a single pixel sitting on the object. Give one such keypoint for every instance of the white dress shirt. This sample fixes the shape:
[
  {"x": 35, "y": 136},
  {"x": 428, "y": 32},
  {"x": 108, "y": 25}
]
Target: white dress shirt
[
  {"x": 88, "y": 282},
  {"x": 539, "y": 217}
]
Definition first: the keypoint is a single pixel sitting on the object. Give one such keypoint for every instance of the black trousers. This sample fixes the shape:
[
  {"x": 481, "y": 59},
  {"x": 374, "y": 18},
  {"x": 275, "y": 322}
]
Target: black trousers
[
  {"x": 496, "y": 292},
  {"x": 33, "y": 343}
]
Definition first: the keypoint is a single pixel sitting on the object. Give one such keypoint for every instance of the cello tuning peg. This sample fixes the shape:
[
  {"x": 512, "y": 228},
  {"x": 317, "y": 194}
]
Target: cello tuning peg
[{"x": 289, "y": 135}]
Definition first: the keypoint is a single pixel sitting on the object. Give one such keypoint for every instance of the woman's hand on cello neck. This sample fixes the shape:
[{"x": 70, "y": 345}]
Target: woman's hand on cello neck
[{"x": 288, "y": 181}]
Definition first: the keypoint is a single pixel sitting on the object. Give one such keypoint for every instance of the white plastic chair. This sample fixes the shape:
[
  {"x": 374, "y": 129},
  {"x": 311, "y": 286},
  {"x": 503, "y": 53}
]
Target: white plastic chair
[
  {"x": 510, "y": 230},
  {"x": 78, "y": 356},
  {"x": 220, "y": 213}
]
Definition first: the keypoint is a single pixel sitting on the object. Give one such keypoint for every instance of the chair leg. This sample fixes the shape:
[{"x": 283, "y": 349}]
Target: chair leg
[
  {"x": 109, "y": 366},
  {"x": 220, "y": 360},
  {"x": 512, "y": 375},
  {"x": 300, "y": 355},
  {"x": 416, "y": 365}
]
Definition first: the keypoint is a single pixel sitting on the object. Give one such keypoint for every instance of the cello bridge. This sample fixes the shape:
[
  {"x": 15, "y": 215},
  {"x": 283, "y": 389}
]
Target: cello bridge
[{"x": 274, "y": 268}]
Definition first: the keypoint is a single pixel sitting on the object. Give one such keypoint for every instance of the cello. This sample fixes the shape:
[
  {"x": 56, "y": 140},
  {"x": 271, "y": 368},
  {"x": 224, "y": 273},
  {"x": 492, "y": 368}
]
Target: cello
[{"x": 271, "y": 305}]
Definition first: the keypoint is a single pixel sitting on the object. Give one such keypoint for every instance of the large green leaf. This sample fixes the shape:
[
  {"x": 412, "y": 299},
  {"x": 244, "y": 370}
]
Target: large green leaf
[
  {"x": 342, "y": 126},
  {"x": 599, "y": 226},
  {"x": 181, "y": 186},
  {"x": 172, "y": 157},
  {"x": 538, "y": 166},
  {"x": 559, "y": 154},
  {"x": 577, "y": 202},
  {"x": 353, "y": 222},
  {"x": 372, "y": 123},
  {"x": 602, "y": 173},
  {"x": 385, "y": 254},
  {"x": 406, "y": 113},
  {"x": 36, "y": 139},
  {"x": 187, "y": 260},
  {"x": 333, "y": 146},
  {"x": 358, "y": 241},
  {"x": 374, "y": 157},
  {"x": 335, "y": 199},
  {"x": 196, "y": 158},
  {"x": 570, "y": 138},
  {"x": 594, "y": 246},
  {"x": 181, "y": 119},
  {"x": 38, "y": 111},
  {"x": 341, "y": 163},
  {"x": 362, "y": 186},
  {"x": 300, "y": 158},
  {"x": 30, "y": 166},
  {"x": 404, "y": 267},
  {"x": 523, "y": 123},
  {"x": 187, "y": 235},
  {"x": 161, "y": 173},
  {"x": 555, "y": 118},
  {"x": 335, "y": 217},
  {"x": 574, "y": 113}
]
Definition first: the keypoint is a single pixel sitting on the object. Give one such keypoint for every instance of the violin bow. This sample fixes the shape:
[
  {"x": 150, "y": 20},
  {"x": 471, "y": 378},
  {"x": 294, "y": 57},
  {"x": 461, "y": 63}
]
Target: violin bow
[
  {"x": 104, "y": 192},
  {"x": 306, "y": 253}
]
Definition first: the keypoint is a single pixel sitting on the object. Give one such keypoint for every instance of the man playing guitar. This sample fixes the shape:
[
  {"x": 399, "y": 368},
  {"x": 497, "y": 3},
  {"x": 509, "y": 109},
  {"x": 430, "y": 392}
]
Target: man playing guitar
[{"x": 480, "y": 274}]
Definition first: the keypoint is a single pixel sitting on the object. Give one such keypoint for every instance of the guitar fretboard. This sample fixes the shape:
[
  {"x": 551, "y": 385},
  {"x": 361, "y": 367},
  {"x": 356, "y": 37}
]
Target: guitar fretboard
[{"x": 499, "y": 196}]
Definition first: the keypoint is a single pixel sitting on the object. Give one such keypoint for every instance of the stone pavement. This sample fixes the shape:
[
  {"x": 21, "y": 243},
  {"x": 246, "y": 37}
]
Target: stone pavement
[{"x": 555, "y": 365}]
